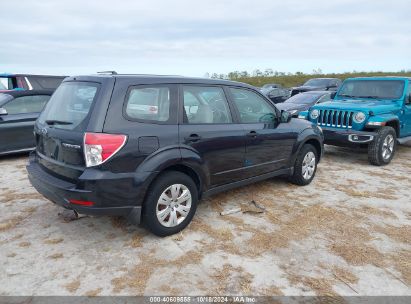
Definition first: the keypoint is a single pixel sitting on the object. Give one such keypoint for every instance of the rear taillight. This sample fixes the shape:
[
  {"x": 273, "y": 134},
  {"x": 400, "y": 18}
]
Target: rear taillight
[
  {"x": 81, "y": 203},
  {"x": 99, "y": 147}
]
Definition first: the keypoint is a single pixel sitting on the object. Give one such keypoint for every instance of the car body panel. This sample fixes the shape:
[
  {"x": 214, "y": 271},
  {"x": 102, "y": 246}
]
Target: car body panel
[
  {"x": 296, "y": 108},
  {"x": 378, "y": 112},
  {"x": 223, "y": 157}
]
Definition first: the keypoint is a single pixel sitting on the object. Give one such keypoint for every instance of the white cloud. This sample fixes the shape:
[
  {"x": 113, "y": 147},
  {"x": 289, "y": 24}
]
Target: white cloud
[{"x": 194, "y": 37}]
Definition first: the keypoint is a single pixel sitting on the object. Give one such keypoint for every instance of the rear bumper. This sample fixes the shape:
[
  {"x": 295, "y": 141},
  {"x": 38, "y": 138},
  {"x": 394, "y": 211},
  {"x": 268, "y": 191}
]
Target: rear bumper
[
  {"x": 347, "y": 137},
  {"x": 60, "y": 192}
]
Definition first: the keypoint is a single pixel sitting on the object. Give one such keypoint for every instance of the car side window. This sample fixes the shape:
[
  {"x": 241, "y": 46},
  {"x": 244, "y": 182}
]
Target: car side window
[
  {"x": 26, "y": 104},
  {"x": 151, "y": 103},
  {"x": 205, "y": 105},
  {"x": 252, "y": 107}
]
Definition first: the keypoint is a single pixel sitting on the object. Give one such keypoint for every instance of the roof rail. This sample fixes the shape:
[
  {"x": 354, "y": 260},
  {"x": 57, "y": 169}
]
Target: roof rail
[{"x": 108, "y": 72}]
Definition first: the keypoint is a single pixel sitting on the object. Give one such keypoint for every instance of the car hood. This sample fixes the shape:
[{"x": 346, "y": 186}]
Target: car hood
[
  {"x": 291, "y": 106},
  {"x": 375, "y": 106}
]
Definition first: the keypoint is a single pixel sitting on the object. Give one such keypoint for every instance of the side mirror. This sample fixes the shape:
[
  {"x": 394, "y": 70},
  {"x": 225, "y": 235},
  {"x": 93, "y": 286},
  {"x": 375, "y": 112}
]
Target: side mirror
[
  {"x": 408, "y": 100},
  {"x": 285, "y": 116},
  {"x": 3, "y": 111}
]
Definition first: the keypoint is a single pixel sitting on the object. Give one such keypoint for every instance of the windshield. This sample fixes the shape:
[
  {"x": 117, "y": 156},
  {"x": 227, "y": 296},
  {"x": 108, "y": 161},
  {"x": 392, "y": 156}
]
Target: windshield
[
  {"x": 376, "y": 89},
  {"x": 69, "y": 105},
  {"x": 302, "y": 99},
  {"x": 317, "y": 82},
  {"x": 4, "y": 83}
]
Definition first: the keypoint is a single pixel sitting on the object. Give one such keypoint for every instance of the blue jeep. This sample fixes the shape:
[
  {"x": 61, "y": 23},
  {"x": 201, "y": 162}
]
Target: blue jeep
[{"x": 369, "y": 111}]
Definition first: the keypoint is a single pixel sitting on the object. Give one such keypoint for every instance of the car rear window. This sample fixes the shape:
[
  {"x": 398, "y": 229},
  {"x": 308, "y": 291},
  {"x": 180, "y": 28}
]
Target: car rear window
[
  {"x": 70, "y": 105},
  {"x": 148, "y": 103}
]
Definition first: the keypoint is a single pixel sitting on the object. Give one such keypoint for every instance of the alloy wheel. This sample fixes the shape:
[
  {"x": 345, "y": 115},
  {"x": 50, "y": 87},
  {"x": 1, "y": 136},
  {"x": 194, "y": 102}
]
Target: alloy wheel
[
  {"x": 388, "y": 147},
  {"x": 308, "y": 166}
]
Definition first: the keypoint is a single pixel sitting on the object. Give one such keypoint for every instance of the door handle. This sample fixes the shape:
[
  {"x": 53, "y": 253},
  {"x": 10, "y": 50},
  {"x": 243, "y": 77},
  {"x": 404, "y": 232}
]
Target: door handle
[
  {"x": 252, "y": 134},
  {"x": 193, "y": 138}
]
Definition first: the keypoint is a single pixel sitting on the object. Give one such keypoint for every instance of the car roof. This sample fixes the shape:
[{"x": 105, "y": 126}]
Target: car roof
[
  {"x": 325, "y": 78},
  {"x": 30, "y": 75},
  {"x": 156, "y": 79},
  {"x": 316, "y": 92},
  {"x": 381, "y": 78},
  {"x": 19, "y": 93}
]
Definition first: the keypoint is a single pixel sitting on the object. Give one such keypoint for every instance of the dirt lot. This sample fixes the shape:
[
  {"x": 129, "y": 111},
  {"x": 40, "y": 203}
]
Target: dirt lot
[{"x": 348, "y": 233}]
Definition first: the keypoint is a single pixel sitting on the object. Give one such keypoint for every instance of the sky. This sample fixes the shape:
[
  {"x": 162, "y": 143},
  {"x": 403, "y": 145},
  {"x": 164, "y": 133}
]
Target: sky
[{"x": 192, "y": 38}]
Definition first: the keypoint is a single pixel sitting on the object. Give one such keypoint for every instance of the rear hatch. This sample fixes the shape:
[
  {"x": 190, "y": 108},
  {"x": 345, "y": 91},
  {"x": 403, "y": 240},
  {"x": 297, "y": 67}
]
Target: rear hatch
[{"x": 61, "y": 126}]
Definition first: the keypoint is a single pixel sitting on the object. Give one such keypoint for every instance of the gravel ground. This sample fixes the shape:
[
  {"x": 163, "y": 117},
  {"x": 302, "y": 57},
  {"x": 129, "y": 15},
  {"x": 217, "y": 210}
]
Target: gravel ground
[{"x": 348, "y": 233}]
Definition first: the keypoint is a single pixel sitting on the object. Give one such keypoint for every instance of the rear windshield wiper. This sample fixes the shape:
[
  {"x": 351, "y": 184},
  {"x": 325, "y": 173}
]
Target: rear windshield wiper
[{"x": 58, "y": 122}]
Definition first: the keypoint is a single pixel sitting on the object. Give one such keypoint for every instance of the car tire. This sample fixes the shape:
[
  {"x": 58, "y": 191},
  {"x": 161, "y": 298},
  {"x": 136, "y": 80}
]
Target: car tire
[
  {"x": 381, "y": 151},
  {"x": 170, "y": 204},
  {"x": 305, "y": 166}
]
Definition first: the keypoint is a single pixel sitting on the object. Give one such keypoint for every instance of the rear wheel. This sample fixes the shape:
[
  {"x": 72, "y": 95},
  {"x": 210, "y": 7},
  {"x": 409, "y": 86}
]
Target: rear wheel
[
  {"x": 170, "y": 204},
  {"x": 381, "y": 151},
  {"x": 305, "y": 166}
]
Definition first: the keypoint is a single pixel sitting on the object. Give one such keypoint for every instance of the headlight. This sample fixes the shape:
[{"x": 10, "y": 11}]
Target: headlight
[
  {"x": 359, "y": 117},
  {"x": 314, "y": 114},
  {"x": 293, "y": 112}
]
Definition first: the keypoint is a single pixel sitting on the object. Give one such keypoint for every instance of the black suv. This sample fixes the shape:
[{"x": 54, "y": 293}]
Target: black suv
[{"x": 149, "y": 147}]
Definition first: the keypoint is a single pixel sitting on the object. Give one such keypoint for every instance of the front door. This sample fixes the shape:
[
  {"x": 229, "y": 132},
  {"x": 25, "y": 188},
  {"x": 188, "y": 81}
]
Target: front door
[
  {"x": 269, "y": 143},
  {"x": 406, "y": 119},
  {"x": 208, "y": 128},
  {"x": 16, "y": 127}
]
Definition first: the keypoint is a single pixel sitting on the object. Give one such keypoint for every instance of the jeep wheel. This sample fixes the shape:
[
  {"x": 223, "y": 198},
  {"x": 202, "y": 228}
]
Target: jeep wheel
[
  {"x": 170, "y": 204},
  {"x": 381, "y": 151},
  {"x": 305, "y": 166}
]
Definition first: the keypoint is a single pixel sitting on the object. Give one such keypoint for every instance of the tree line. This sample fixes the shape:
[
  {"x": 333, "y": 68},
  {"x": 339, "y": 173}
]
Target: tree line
[{"x": 261, "y": 77}]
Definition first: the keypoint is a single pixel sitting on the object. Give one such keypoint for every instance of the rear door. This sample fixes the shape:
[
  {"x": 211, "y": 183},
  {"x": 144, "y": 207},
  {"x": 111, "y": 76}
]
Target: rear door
[
  {"x": 209, "y": 129},
  {"x": 269, "y": 143},
  {"x": 61, "y": 126},
  {"x": 17, "y": 125}
]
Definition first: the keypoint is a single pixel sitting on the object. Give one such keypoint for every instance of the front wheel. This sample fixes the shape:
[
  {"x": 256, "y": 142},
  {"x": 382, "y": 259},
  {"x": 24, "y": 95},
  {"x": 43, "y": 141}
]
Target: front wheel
[
  {"x": 170, "y": 204},
  {"x": 381, "y": 151},
  {"x": 305, "y": 166}
]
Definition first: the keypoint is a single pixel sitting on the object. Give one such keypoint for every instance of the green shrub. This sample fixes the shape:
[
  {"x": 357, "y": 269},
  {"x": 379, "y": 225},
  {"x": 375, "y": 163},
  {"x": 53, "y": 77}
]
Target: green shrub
[{"x": 291, "y": 80}]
